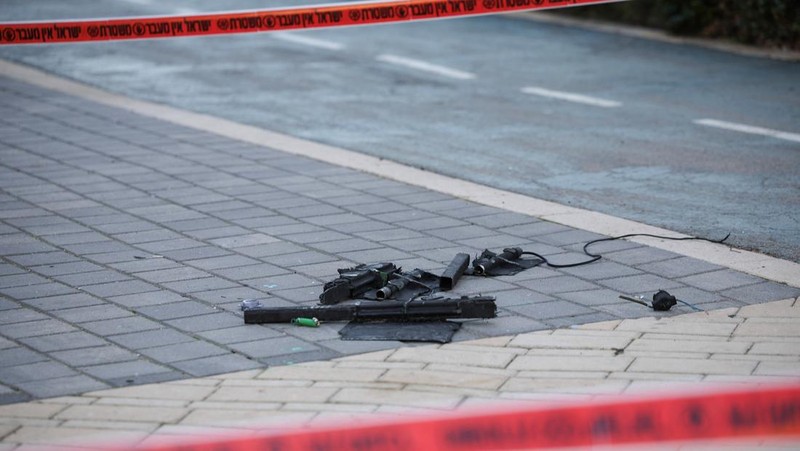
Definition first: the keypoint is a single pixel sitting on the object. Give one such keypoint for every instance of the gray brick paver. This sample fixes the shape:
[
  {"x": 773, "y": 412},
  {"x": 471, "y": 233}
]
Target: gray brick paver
[{"x": 123, "y": 235}]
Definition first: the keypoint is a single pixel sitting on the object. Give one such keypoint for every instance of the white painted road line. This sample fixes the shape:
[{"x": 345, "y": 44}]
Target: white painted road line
[
  {"x": 309, "y": 41},
  {"x": 571, "y": 97},
  {"x": 426, "y": 67},
  {"x": 744, "y": 128}
]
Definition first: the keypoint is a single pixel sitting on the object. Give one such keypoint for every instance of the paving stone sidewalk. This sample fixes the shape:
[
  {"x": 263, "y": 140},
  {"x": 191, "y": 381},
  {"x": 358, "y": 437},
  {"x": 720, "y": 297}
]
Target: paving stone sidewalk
[
  {"x": 730, "y": 348},
  {"x": 127, "y": 244}
]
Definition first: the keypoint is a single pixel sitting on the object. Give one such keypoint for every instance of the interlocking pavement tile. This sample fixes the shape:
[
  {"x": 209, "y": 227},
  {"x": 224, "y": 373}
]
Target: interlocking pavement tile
[
  {"x": 42, "y": 258},
  {"x": 62, "y": 386},
  {"x": 120, "y": 325},
  {"x": 679, "y": 267},
  {"x": 435, "y": 222},
  {"x": 19, "y": 356},
  {"x": 196, "y": 285},
  {"x": 175, "y": 244},
  {"x": 94, "y": 356},
  {"x": 594, "y": 297},
  {"x": 309, "y": 372},
  {"x": 572, "y": 236},
  {"x": 92, "y": 313},
  {"x": 39, "y": 371},
  {"x": 120, "y": 288},
  {"x": 431, "y": 354},
  {"x": 76, "y": 238},
  {"x": 158, "y": 392},
  {"x": 475, "y": 285},
  {"x": 577, "y": 362},
  {"x": 66, "y": 268},
  {"x": 638, "y": 255},
  {"x": 535, "y": 229},
  {"x": 217, "y": 232},
  {"x": 360, "y": 226},
  {"x": 173, "y": 310},
  {"x": 350, "y": 244},
  {"x": 125, "y": 373},
  {"x": 91, "y": 278},
  {"x": 159, "y": 414},
  {"x": 136, "y": 300},
  {"x": 677, "y": 329},
  {"x": 410, "y": 398},
  {"x": 357, "y": 347},
  {"x": 226, "y": 363},
  {"x": 498, "y": 218},
  {"x": 751, "y": 328},
  {"x": 571, "y": 321},
  {"x": 286, "y": 231},
  {"x": 299, "y": 259},
  {"x": 462, "y": 233},
  {"x": 719, "y": 280},
  {"x": 547, "y": 310},
  {"x": 507, "y": 298},
  {"x": 151, "y": 338},
  {"x": 561, "y": 284},
  {"x": 270, "y": 251},
  {"x": 173, "y": 274},
  {"x": 563, "y": 385},
  {"x": 787, "y": 308},
  {"x": 689, "y": 365},
  {"x": 241, "y": 273},
  {"x": 502, "y": 325},
  {"x": 201, "y": 323},
  {"x": 38, "y": 328},
  {"x": 21, "y": 280},
  {"x": 273, "y": 394},
  {"x": 195, "y": 253},
  {"x": 233, "y": 242},
  {"x": 644, "y": 283},
  {"x": 273, "y": 347},
  {"x": 63, "y": 341},
  {"x": 690, "y": 345},
  {"x": 240, "y": 334},
  {"x": 607, "y": 341},
  {"x": 183, "y": 351},
  {"x": 783, "y": 369},
  {"x": 762, "y": 292},
  {"x": 20, "y": 315},
  {"x": 601, "y": 270},
  {"x": 227, "y": 261},
  {"x": 144, "y": 265}
]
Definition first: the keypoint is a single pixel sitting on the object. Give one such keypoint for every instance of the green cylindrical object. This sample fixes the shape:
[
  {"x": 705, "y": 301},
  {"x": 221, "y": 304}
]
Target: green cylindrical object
[{"x": 306, "y": 322}]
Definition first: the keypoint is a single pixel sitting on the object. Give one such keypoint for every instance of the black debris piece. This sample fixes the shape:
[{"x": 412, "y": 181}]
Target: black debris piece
[
  {"x": 421, "y": 309},
  {"x": 428, "y": 331},
  {"x": 352, "y": 283},
  {"x": 507, "y": 263}
]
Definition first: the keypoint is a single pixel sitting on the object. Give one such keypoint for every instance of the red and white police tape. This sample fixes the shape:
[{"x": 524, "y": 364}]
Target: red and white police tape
[
  {"x": 762, "y": 412},
  {"x": 254, "y": 21}
]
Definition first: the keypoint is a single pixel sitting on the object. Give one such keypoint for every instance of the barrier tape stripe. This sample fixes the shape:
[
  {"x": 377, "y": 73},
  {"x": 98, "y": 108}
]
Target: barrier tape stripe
[
  {"x": 265, "y": 20},
  {"x": 740, "y": 414}
]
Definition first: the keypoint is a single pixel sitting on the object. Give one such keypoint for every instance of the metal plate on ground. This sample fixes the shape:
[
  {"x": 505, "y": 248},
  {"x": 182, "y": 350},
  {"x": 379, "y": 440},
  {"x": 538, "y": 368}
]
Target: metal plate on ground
[{"x": 428, "y": 331}]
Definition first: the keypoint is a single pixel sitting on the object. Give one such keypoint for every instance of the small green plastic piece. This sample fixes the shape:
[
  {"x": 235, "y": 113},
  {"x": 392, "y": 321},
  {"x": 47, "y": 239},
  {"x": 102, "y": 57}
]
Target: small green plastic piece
[{"x": 306, "y": 322}]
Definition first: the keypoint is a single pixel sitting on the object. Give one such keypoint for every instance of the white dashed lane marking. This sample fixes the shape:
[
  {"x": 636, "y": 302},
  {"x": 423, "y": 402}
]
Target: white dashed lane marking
[
  {"x": 571, "y": 97},
  {"x": 426, "y": 67},
  {"x": 753, "y": 130}
]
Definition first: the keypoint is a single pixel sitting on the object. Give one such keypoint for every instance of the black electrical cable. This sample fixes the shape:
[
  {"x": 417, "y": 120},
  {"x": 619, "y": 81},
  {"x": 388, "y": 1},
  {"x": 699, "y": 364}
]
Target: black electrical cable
[{"x": 595, "y": 257}]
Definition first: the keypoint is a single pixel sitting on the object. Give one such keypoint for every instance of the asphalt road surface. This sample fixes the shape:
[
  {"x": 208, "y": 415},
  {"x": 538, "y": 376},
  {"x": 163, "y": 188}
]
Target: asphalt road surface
[{"x": 694, "y": 140}]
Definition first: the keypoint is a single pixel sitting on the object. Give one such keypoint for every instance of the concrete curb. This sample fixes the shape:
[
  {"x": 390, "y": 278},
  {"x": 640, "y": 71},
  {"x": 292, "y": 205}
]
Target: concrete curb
[
  {"x": 660, "y": 36},
  {"x": 745, "y": 261}
]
